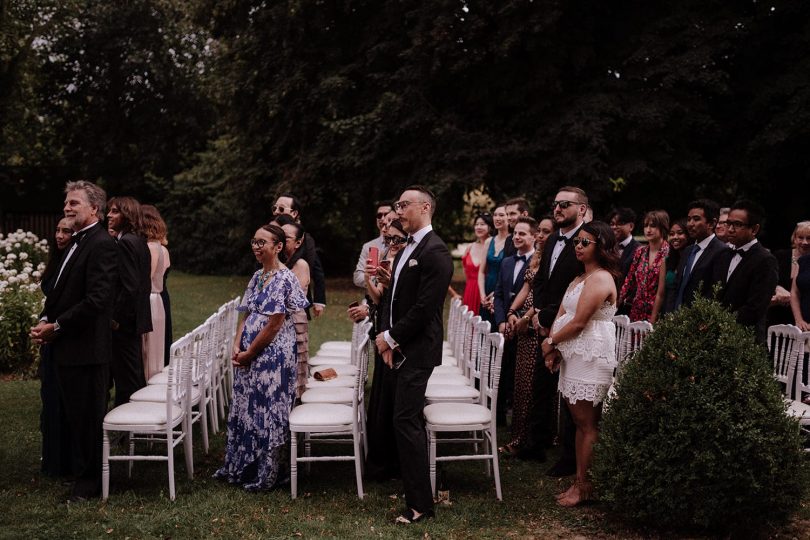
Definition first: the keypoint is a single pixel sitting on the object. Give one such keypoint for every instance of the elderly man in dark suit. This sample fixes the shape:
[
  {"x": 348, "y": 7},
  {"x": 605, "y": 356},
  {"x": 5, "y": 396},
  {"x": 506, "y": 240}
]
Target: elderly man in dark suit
[
  {"x": 557, "y": 270},
  {"x": 76, "y": 321},
  {"x": 411, "y": 340},
  {"x": 696, "y": 268},
  {"x": 510, "y": 281},
  {"x": 132, "y": 316},
  {"x": 748, "y": 271}
]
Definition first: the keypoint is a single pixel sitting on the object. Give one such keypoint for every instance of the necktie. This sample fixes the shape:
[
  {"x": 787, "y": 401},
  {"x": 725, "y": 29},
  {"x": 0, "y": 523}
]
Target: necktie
[
  {"x": 687, "y": 271},
  {"x": 410, "y": 240}
]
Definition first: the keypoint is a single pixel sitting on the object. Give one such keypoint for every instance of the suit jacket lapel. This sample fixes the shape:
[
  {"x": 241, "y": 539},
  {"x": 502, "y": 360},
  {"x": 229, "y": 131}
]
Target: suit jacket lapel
[{"x": 60, "y": 285}]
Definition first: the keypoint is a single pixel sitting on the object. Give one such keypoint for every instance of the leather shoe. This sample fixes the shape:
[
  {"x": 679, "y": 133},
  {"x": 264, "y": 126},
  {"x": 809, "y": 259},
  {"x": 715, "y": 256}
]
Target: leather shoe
[
  {"x": 407, "y": 517},
  {"x": 562, "y": 468}
]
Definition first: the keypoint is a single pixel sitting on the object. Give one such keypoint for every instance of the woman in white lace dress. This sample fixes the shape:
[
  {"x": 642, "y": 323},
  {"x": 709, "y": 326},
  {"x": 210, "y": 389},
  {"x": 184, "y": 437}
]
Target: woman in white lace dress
[{"x": 582, "y": 345}]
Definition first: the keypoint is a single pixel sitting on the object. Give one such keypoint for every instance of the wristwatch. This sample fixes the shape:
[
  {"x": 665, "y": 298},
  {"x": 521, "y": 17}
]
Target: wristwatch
[
  {"x": 550, "y": 341},
  {"x": 56, "y": 326}
]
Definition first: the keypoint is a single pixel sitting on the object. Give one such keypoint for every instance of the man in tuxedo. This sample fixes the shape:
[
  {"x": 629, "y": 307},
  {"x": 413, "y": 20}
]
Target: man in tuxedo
[
  {"x": 76, "y": 321},
  {"x": 132, "y": 315},
  {"x": 288, "y": 204},
  {"x": 411, "y": 340},
  {"x": 622, "y": 221},
  {"x": 696, "y": 268},
  {"x": 557, "y": 270},
  {"x": 359, "y": 276},
  {"x": 748, "y": 271},
  {"x": 510, "y": 281},
  {"x": 514, "y": 208}
]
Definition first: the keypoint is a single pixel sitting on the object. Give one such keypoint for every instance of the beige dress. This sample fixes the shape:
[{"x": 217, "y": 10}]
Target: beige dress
[{"x": 154, "y": 342}]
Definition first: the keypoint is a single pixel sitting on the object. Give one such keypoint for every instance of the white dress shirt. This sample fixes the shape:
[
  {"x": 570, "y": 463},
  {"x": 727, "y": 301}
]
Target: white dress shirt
[
  {"x": 735, "y": 260},
  {"x": 560, "y": 246}
]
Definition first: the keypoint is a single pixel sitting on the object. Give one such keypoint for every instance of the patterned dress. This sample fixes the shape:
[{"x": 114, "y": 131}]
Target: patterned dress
[
  {"x": 641, "y": 284},
  {"x": 263, "y": 394},
  {"x": 524, "y": 374}
]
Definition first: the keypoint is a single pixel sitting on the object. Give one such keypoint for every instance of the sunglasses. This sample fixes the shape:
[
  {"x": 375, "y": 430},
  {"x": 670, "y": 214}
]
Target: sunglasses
[
  {"x": 381, "y": 215},
  {"x": 395, "y": 240},
  {"x": 562, "y": 204},
  {"x": 279, "y": 208},
  {"x": 584, "y": 241}
]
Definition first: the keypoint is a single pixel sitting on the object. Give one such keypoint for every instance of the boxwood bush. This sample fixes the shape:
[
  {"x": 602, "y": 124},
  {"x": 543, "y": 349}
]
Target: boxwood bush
[{"x": 697, "y": 435}]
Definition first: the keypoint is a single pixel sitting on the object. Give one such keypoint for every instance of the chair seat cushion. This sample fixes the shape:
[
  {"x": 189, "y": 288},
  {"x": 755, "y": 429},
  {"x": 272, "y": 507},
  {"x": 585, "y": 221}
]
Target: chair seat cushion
[
  {"x": 157, "y": 393},
  {"x": 335, "y": 394},
  {"x": 159, "y": 378},
  {"x": 449, "y": 360},
  {"x": 328, "y": 360},
  {"x": 336, "y": 345},
  {"x": 448, "y": 378},
  {"x": 144, "y": 413},
  {"x": 800, "y": 410},
  {"x": 455, "y": 414},
  {"x": 321, "y": 414},
  {"x": 344, "y": 381},
  {"x": 445, "y": 370},
  {"x": 450, "y": 391}
]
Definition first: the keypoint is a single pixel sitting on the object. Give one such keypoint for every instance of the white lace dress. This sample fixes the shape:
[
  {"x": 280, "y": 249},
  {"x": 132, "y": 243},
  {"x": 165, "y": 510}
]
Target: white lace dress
[{"x": 586, "y": 371}]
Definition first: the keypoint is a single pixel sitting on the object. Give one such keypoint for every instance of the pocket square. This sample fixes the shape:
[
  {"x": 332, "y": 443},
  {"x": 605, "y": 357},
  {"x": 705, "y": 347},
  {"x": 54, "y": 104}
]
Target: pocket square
[{"x": 412, "y": 262}]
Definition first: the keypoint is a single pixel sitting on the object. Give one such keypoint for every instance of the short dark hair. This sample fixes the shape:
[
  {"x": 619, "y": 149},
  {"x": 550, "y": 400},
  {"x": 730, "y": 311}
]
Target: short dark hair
[
  {"x": 579, "y": 191},
  {"x": 130, "y": 213},
  {"x": 283, "y": 219},
  {"x": 521, "y": 203},
  {"x": 299, "y": 229},
  {"x": 397, "y": 224},
  {"x": 276, "y": 231},
  {"x": 431, "y": 198},
  {"x": 380, "y": 204},
  {"x": 711, "y": 210},
  {"x": 528, "y": 220},
  {"x": 624, "y": 215},
  {"x": 755, "y": 212}
]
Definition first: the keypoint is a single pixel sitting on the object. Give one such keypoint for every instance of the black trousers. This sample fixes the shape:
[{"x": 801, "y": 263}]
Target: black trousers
[
  {"x": 542, "y": 414},
  {"x": 409, "y": 428},
  {"x": 506, "y": 386},
  {"x": 84, "y": 395},
  {"x": 126, "y": 367}
]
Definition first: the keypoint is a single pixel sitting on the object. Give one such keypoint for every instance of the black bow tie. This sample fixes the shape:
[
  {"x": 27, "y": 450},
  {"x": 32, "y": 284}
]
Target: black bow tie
[
  {"x": 77, "y": 237},
  {"x": 739, "y": 251},
  {"x": 564, "y": 239},
  {"x": 520, "y": 258},
  {"x": 410, "y": 240}
]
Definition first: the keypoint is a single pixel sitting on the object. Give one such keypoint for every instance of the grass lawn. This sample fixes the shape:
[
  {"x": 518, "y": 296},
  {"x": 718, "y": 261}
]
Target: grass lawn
[{"x": 33, "y": 505}]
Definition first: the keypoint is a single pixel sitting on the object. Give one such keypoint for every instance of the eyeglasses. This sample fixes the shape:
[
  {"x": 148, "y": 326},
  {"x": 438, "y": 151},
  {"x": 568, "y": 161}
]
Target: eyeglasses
[
  {"x": 736, "y": 224},
  {"x": 584, "y": 241},
  {"x": 563, "y": 204},
  {"x": 402, "y": 205},
  {"x": 260, "y": 243},
  {"x": 395, "y": 240},
  {"x": 722, "y": 222},
  {"x": 279, "y": 208}
]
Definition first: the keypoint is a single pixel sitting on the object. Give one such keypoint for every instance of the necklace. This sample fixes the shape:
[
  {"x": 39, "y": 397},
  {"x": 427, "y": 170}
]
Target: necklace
[{"x": 265, "y": 277}]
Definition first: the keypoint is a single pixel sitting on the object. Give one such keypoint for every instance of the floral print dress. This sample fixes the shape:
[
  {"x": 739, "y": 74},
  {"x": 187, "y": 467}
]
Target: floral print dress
[
  {"x": 641, "y": 284},
  {"x": 264, "y": 393}
]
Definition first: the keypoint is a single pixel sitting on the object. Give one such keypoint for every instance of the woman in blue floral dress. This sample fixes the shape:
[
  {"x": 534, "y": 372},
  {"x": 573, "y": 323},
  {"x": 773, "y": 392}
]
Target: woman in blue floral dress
[{"x": 264, "y": 360}]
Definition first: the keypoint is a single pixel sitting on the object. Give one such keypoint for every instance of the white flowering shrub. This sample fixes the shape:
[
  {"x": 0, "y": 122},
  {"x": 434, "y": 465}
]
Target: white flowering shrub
[{"x": 22, "y": 260}]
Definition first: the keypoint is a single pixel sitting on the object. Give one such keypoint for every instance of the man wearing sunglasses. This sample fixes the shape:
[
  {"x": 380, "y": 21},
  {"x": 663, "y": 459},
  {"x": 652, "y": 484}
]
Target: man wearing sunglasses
[
  {"x": 558, "y": 269},
  {"x": 288, "y": 204},
  {"x": 746, "y": 271},
  {"x": 359, "y": 276}
]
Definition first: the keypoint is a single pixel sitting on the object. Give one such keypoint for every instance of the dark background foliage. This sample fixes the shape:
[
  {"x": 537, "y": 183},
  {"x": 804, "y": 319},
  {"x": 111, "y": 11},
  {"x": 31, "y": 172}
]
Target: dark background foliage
[{"x": 210, "y": 108}]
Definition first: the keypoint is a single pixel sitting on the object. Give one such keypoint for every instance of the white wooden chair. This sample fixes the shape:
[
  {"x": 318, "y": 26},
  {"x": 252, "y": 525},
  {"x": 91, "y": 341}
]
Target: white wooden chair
[
  {"x": 787, "y": 348},
  {"x": 348, "y": 356},
  {"x": 466, "y": 417},
  {"x": 800, "y": 404},
  {"x": 636, "y": 334},
  {"x": 622, "y": 323},
  {"x": 465, "y": 357},
  {"x": 439, "y": 391},
  {"x": 155, "y": 422},
  {"x": 333, "y": 422}
]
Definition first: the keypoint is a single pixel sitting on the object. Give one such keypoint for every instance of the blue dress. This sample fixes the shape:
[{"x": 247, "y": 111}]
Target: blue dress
[
  {"x": 491, "y": 277},
  {"x": 264, "y": 393}
]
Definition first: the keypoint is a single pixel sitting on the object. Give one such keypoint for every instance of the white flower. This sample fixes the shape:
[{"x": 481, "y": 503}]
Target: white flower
[
  {"x": 23, "y": 256},
  {"x": 36, "y": 274},
  {"x": 12, "y": 280},
  {"x": 17, "y": 245},
  {"x": 11, "y": 256}
]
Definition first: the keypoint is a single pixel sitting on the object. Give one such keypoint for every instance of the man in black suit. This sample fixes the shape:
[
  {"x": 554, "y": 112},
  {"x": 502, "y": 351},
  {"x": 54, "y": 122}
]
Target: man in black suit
[
  {"x": 132, "y": 315},
  {"x": 411, "y": 340},
  {"x": 510, "y": 281},
  {"x": 76, "y": 320},
  {"x": 288, "y": 204},
  {"x": 557, "y": 270},
  {"x": 696, "y": 268},
  {"x": 748, "y": 271},
  {"x": 622, "y": 221}
]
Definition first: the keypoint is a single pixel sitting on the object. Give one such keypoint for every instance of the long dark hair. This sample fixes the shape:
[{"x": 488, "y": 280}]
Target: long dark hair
[
  {"x": 675, "y": 254},
  {"x": 132, "y": 219},
  {"x": 606, "y": 256}
]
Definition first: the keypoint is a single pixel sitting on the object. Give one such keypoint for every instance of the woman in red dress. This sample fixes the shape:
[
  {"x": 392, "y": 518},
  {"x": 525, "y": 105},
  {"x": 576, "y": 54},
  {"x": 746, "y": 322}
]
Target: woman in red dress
[{"x": 471, "y": 261}]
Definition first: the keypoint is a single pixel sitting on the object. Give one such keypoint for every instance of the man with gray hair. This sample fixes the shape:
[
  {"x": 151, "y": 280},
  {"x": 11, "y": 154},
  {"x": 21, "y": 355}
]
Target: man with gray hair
[{"x": 76, "y": 321}]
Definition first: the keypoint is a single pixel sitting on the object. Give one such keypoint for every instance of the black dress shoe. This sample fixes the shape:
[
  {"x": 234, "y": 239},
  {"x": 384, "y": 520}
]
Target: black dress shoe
[
  {"x": 562, "y": 468},
  {"x": 407, "y": 517}
]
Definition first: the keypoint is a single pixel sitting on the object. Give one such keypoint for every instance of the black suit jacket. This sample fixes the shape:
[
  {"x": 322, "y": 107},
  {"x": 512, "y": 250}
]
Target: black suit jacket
[
  {"x": 749, "y": 290},
  {"x": 310, "y": 254},
  {"x": 549, "y": 287},
  {"x": 702, "y": 278},
  {"x": 131, "y": 309},
  {"x": 418, "y": 302},
  {"x": 505, "y": 288},
  {"x": 627, "y": 257},
  {"x": 82, "y": 301}
]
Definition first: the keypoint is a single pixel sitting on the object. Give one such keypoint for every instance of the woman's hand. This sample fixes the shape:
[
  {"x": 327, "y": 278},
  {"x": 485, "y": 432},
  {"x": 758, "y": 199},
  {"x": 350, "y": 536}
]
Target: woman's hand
[
  {"x": 803, "y": 326},
  {"x": 383, "y": 275},
  {"x": 520, "y": 325},
  {"x": 553, "y": 360},
  {"x": 242, "y": 359}
]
